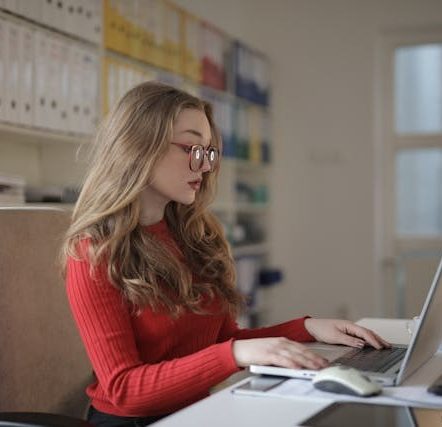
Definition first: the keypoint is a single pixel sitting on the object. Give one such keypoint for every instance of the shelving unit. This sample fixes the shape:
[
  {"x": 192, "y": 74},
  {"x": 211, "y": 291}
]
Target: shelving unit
[
  {"x": 52, "y": 157},
  {"x": 30, "y": 135}
]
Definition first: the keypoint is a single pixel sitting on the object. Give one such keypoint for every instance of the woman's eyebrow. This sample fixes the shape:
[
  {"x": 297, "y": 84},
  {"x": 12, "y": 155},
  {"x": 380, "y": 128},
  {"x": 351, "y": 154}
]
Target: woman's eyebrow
[
  {"x": 196, "y": 133},
  {"x": 193, "y": 132}
]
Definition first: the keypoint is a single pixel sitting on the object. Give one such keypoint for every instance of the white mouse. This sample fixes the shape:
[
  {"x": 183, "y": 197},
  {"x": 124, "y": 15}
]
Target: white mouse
[{"x": 345, "y": 380}]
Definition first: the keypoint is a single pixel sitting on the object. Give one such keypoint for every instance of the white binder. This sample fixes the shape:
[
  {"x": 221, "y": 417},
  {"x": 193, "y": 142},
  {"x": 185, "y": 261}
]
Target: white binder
[
  {"x": 90, "y": 69},
  {"x": 59, "y": 14},
  {"x": 41, "y": 73},
  {"x": 92, "y": 20},
  {"x": 131, "y": 77},
  {"x": 75, "y": 88},
  {"x": 3, "y": 65},
  {"x": 123, "y": 82},
  {"x": 71, "y": 20},
  {"x": 112, "y": 84},
  {"x": 26, "y": 76},
  {"x": 12, "y": 57},
  {"x": 11, "y": 5},
  {"x": 62, "y": 123},
  {"x": 48, "y": 13},
  {"x": 31, "y": 9},
  {"x": 95, "y": 92},
  {"x": 54, "y": 81}
]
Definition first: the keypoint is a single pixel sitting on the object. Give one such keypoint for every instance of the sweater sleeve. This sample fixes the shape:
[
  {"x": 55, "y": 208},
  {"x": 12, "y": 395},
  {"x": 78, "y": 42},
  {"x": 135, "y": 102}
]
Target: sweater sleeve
[
  {"x": 293, "y": 329},
  {"x": 133, "y": 387}
]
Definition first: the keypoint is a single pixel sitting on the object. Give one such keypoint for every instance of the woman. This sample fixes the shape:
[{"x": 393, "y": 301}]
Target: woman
[{"x": 149, "y": 274}]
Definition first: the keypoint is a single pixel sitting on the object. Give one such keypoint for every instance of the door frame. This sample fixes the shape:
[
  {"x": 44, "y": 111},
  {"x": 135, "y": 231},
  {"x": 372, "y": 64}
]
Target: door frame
[{"x": 387, "y": 245}]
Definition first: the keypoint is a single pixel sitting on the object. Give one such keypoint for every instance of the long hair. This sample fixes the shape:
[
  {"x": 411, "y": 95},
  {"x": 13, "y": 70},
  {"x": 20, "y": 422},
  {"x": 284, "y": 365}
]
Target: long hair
[{"x": 130, "y": 141}]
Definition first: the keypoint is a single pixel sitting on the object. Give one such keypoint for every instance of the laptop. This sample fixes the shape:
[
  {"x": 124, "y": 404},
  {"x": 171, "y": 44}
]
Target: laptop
[{"x": 390, "y": 367}]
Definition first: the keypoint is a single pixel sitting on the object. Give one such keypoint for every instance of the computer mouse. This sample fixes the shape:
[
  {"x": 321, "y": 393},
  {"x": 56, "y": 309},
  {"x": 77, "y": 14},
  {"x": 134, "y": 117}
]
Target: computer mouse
[{"x": 345, "y": 380}]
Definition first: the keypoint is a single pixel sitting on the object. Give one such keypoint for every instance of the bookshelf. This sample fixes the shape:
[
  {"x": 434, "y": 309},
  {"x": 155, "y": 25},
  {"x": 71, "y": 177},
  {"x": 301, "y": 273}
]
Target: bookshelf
[{"x": 94, "y": 51}]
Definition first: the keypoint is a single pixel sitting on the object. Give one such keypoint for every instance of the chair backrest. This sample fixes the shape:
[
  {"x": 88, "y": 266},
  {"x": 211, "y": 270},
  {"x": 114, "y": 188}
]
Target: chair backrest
[{"x": 43, "y": 365}]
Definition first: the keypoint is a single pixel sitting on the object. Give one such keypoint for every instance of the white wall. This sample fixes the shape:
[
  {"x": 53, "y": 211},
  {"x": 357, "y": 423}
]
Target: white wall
[{"x": 323, "y": 54}]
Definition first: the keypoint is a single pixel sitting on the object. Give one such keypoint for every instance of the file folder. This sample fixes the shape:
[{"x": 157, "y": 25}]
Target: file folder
[
  {"x": 172, "y": 37},
  {"x": 113, "y": 25},
  {"x": 3, "y": 65},
  {"x": 92, "y": 18},
  {"x": 53, "y": 84},
  {"x": 242, "y": 132},
  {"x": 12, "y": 71},
  {"x": 156, "y": 23},
  {"x": 71, "y": 21},
  {"x": 214, "y": 46},
  {"x": 125, "y": 27},
  {"x": 31, "y": 9},
  {"x": 146, "y": 32},
  {"x": 26, "y": 76},
  {"x": 90, "y": 78},
  {"x": 107, "y": 82},
  {"x": 48, "y": 13},
  {"x": 75, "y": 88},
  {"x": 41, "y": 68},
  {"x": 63, "y": 117},
  {"x": 137, "y": 30},
  {"x": 255, "y": 134},
  {"x": 59, "y": 14},
  {"x": 11, "y": 5},
  {"x": 191, "y": 47}
]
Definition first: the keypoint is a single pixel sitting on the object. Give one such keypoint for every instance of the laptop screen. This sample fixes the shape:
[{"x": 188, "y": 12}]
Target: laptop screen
[{"x": 428, "y": 335}]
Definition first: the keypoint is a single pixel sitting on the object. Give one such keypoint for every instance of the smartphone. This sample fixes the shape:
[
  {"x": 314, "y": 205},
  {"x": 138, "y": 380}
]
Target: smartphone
[{"x": 259, "y": 384}]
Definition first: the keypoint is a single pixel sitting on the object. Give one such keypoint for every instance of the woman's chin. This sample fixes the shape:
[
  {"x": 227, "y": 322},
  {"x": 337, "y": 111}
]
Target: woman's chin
[{"x": 185, "y": 200}]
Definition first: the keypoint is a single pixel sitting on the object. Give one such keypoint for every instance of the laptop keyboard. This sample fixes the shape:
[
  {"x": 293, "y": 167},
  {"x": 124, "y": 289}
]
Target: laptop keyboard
[{"x": 370, "y": 359}]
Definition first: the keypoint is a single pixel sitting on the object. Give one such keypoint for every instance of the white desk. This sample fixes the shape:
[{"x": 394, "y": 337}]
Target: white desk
[{"x": 226, "y": 409}]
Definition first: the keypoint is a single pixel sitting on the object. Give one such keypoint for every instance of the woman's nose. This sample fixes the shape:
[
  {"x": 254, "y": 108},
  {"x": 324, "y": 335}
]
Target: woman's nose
[{"x": 206, "y": 165}]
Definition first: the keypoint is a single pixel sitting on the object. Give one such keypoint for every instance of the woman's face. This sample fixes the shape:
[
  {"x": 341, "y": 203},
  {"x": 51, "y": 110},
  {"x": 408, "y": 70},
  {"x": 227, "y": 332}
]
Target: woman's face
[{"x": 173, "y": 180}]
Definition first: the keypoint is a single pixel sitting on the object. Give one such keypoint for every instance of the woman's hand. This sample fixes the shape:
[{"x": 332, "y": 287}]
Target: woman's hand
[
  {"x": 276, "y": 351},
  {"x": 334, "y": 331}
]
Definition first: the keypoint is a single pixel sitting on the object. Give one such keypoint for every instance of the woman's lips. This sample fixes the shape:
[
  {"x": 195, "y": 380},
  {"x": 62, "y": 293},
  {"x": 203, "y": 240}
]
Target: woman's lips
[{"x": 195, "y": 185}]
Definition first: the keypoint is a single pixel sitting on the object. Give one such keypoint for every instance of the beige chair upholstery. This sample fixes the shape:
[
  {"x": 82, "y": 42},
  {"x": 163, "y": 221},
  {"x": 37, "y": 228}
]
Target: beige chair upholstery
[{"x": 43, "y": 366}]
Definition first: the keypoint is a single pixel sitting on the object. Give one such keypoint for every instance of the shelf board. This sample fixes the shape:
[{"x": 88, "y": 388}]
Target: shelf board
[
  {"x": 241, "y": 208},
  {"x": 19, "y": 18},
  {"x": 251, "y": 208},
  {"x": 223, "y": 207},
  {"x": 38, "y": 206},
  {"x": 63, "y": 206},
  {"x": 249, "y": 166},
  {"x": 252, "y": 249},
  {"x": 22, "y": 133}
]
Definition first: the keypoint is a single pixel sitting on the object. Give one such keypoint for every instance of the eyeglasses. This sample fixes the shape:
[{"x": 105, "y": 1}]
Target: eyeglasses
[{"x": 197, "y": 153}]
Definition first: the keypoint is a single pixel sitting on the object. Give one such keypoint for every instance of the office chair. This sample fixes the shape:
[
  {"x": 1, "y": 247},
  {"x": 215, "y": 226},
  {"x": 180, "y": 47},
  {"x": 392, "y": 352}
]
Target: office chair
[
  {"x": 38, "y": 419},
  {"x": 43, "y": 365}
]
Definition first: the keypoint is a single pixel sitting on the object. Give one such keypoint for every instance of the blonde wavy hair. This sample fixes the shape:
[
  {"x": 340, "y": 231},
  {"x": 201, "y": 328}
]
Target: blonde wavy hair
[{"x": 130, "y": 141}]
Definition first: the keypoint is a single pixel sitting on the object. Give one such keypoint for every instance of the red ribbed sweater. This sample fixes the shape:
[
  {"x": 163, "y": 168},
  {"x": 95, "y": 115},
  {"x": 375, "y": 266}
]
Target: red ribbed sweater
[{"x": 152, "y": 364}]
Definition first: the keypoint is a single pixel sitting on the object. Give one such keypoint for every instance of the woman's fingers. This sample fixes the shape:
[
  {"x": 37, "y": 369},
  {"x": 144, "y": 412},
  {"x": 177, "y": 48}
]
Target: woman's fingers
[
  {"x": 276, "y": 351},
  {"x": 384, "y": 343},
  {"x": 335, "y": 331},
  {"x": 297, "y": 355},
  {"x": 367, "y": 336}
]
